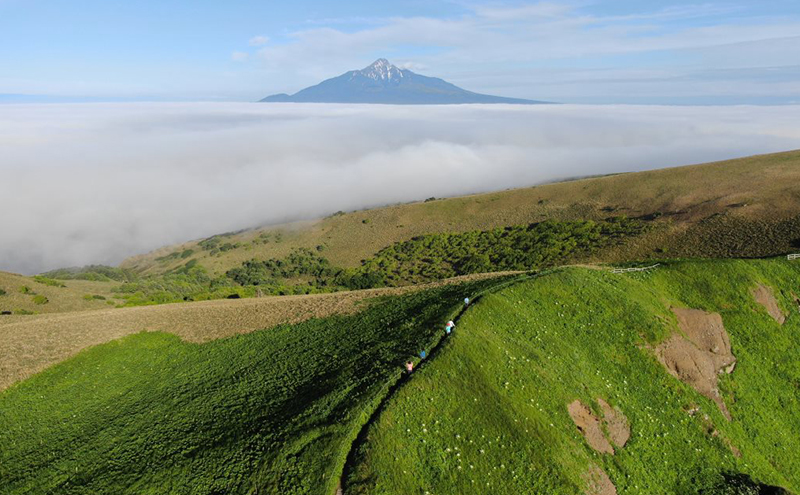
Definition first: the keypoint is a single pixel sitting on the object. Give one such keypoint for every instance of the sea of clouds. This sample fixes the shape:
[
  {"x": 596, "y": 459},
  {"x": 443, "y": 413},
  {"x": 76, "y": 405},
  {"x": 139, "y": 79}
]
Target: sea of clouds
[{"x": 95, "y": 183}]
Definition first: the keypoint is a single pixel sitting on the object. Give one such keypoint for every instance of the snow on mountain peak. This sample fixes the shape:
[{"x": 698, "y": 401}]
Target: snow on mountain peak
[{"x": 382, "y": 69}]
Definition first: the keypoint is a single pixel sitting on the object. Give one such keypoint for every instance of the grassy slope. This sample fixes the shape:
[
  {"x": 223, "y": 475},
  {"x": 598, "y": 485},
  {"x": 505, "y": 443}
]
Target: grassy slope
[
  {"x": 769, "y": 185},
  {"x": 60, "y": 299},
  {"x": 273, "y": 411},
  {"x": 489, "y": 413}
]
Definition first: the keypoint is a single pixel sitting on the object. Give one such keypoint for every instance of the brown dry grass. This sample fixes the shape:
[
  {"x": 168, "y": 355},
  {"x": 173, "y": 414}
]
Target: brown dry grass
[
  {"x": 61, "y": 299},
  {"x": 29, "y": 344},
  {"x": 754, "y": 188}
]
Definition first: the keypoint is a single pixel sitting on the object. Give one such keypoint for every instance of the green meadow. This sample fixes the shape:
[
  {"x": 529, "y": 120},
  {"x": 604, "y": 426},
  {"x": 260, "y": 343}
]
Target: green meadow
[
  {"x": 488, "y": 414},
  {"x": 297, "y": 409},
  {"x": 273, "y": 411}
]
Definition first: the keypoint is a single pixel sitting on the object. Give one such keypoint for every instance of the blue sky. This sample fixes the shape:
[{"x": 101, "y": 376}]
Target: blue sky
[{"x": 619, "y": 51}]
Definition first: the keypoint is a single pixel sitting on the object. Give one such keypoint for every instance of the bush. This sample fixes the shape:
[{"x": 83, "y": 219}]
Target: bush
[
  {"x": 3, "y": 292},
  {"x": 48, "y": 281},
  {"x": 94, "y": 273},
  {"x": 26, "y": 290},
  {"x": 23, "y": 312},
  {"x": 94, "y": 297},
  {"x": 521, "y": 247},
  {"x": 40, "y": 299}
]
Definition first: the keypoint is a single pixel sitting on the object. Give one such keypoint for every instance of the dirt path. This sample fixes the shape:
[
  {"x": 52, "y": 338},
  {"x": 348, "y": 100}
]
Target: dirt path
[
  {"x": 29, "y": 344},
  {"x": 402, "y": 379}
]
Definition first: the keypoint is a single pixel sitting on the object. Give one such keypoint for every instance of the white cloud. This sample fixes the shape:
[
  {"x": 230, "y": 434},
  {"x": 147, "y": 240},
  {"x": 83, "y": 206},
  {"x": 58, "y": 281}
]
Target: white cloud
[
  {"x": 239, "y": 56},
  {"x": 258, "y": 40},
  {"x": 95, "y": 183},
  {"x": 493, "y": 39}
]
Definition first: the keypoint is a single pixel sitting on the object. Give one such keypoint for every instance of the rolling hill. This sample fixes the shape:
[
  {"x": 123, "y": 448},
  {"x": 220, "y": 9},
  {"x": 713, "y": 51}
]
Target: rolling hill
[
  {"x": 737, "y": 208},
  {"x": 583, "y": 381},
  {"x": 563, "y": 379},
  {"x": 565, "y": 382},
  {"x": 20, "y": 295}
]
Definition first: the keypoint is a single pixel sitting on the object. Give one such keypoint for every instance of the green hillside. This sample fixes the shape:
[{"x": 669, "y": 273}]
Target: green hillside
[
  {"x": 738, "y": 208},
  {"x": 735, "y": 208},
  {"x": 290, "y": 409},
  {"x": 273, "y": 411},
  {"x": 489, "y": 413}
]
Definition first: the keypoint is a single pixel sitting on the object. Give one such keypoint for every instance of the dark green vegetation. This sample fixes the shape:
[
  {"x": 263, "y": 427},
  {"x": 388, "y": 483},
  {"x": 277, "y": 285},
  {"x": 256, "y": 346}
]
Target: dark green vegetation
[
  {"x": 725, "y": 236},
  {"x": 40, "y": 299},
  {"x": 523, "y": 247},
  {"x": 274, "y": 411},
  {"x": 489, "y": 412},
  {"x": 95, "y": 273},
  {"x": 48, "y": 281},
  {"x": 419, "y": 260}
]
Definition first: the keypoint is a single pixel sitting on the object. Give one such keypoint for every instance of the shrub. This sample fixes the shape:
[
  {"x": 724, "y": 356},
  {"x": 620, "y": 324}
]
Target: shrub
[
  {"x": 26, "y": 290},
  {"x": 3, "y": 292},
  {"x": 40, "y": 299},
  {"x": 23, "y": 312},
  {"x": 94, "y": 297},
  {"x": 96, "y": 273},
  {"x": 48, "y": 281}
]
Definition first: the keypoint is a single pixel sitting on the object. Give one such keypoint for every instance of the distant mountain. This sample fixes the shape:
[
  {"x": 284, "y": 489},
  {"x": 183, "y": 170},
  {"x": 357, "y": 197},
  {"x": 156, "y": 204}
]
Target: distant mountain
[{"x": 383, "y": 82}]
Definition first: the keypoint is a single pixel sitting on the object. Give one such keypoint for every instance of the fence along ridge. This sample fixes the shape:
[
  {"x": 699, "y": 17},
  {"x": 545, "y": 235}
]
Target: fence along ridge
[
  {"x": 791, "y": 257},
  {"x": 637, "y": 269}
]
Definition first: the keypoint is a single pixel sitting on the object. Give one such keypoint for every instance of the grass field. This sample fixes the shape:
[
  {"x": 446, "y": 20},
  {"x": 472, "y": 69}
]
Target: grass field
[
  {"x": 19, "y": 293},
  {"x": 272, "y": 411},
  {"x": 744, "y": 199},
  {"x": 29, "y": 344},
  {"x": 489, "y": 414}
]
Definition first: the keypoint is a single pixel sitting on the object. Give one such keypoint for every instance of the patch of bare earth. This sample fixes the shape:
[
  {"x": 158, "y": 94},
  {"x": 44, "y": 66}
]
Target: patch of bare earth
[
  {"x": 589, "y": 426},
  {"x": 598, "y": 482},
  {"x": 619, "y": 430},
  {"x": 765, "y": 297},
  {"x": 701, "y": 355},
  {"x": 29, "y": 344}
]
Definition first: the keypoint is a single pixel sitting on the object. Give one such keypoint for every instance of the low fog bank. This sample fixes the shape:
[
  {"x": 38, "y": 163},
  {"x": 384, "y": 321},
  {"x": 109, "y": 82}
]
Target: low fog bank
[{"x": 95, "y": 183}]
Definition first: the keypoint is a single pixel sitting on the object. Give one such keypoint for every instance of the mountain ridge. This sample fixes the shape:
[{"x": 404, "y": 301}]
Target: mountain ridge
[{"x": 384, "y": 83}]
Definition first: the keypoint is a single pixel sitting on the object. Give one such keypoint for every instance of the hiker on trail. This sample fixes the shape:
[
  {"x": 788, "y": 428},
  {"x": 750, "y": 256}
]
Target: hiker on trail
[
  {"x": 449, "y": 327},
  {"x": 409, "y": 367},
  {"x": 466, "y": 301},
  {"x": 422, "y": 354}
]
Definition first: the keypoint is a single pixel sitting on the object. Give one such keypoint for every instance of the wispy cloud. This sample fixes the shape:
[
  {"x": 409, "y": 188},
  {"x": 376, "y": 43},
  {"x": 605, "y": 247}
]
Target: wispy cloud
[
  {"x": 495, "y": 38},
  {"x": 239, "y": 56},
  {"x": 95, "y": 183},
  {"x": 258, "y": 40}
]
